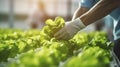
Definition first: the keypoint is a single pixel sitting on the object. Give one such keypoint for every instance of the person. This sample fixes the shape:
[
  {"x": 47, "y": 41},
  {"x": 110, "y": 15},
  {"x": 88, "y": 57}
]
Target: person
[
  {"x": 37, "y": 17},
  {"x": 89, "y": 12},
  {"x": 99, "y": 25},
  {"x": 108, "y": 27}
]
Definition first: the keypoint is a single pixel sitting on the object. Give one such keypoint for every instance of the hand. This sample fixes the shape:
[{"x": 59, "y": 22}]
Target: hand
[{"x": 70, "y": 29}]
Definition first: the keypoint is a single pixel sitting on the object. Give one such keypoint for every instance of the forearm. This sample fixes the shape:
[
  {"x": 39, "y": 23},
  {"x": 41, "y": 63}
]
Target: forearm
[
  {"x": 80, "y": 11},
  {"x": 101, "y": 9}
]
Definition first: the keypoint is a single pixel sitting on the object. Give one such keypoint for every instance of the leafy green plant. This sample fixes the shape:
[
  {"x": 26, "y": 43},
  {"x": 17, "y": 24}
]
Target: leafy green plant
[{"x": 83, "y": 50}]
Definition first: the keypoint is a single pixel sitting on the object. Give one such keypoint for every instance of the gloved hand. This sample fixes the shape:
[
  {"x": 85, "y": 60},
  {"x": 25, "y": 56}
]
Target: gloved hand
[{"x": 70, "y": 29}]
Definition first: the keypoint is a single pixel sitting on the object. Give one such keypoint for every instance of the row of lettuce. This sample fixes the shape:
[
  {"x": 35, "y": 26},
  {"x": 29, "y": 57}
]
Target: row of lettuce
[{"x": 38, "y": 48}]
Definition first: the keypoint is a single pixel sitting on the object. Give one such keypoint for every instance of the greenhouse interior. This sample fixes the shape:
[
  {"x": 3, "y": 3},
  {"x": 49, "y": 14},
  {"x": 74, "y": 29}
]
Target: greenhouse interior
[{"x": 58, "y": 33}]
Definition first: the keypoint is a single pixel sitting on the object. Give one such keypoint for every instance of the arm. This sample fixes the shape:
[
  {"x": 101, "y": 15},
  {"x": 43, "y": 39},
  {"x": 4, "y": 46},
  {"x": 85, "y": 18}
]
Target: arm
[
  {"x": 80, "y": 11},
  {"x": 101, "y": 9}
]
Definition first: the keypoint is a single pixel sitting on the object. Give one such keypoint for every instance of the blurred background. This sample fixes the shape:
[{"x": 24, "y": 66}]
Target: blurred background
[
  {"x": 15, "y": 13},
  {"x": 27, "y": 14}
]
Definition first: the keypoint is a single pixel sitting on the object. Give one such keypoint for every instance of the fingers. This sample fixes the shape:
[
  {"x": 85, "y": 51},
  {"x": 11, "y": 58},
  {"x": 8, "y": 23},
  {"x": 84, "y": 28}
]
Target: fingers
[
  {"x": 66, "y": 38},
  {"x": 59, "y": 34},
  {"x": 62, "y": 35}
]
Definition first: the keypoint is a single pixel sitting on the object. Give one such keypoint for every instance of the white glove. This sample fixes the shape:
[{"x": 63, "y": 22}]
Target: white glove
[{"x": 70, "y": 29}]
